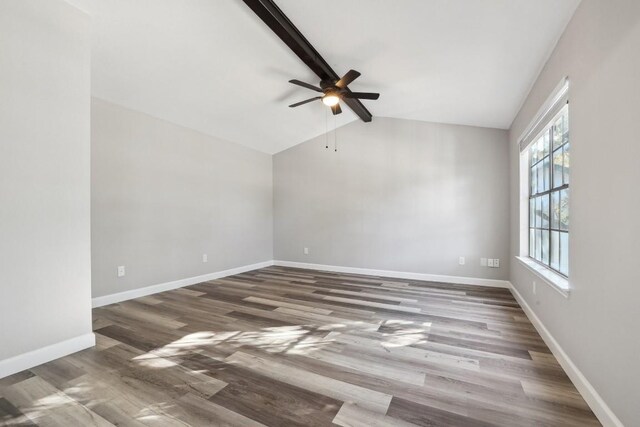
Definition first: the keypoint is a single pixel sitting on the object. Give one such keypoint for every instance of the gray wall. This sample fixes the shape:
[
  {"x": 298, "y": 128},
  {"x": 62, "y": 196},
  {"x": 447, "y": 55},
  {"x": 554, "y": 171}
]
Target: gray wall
[
  {"x": 164, "y": 195},
  {"x": 45, "y": 268},
  {"x": 598, "y": 325},
  {"x": 398, "y": 195}
]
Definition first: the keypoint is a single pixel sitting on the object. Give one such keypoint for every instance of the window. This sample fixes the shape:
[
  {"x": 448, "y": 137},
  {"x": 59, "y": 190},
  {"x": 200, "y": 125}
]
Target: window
[{"x": 548, "y": 161}]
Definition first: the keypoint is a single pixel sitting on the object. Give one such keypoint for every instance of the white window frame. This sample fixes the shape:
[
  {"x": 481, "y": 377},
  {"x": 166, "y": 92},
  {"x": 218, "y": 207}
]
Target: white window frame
[{"x": 545, "y": 116}]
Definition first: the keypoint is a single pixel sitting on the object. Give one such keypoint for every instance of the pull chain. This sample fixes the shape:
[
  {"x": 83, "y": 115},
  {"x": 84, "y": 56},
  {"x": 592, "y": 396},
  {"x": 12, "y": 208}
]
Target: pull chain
[
  {"x": 326, "y": 128},
  {"x": 335, "y": 135}
]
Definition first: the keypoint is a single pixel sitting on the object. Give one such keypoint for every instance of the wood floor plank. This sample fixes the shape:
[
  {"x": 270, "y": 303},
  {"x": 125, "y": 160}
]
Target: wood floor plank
[
  {"x": 281, "y": 346},
  {"x": 114, "y": 399},
  {"x": 387, "y": 370},
  {"x": 272, "y": 402},
  {"x": 374, "y": 304},
  {"x": 369, "y": 399},
  {"x": 404, "y": 352},
  {"x": 351, "y": 415},
  {"x": 12, "y": 416},
  {"x": 424, "y": 415},
  {"x": 287, "y": 305},
  {"x": 47, "y": 406}
]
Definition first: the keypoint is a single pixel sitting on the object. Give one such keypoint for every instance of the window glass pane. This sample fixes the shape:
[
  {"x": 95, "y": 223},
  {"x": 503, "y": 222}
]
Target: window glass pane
[
  {"x": 545, "y": 247},
  {"x": 545, "y": 174},
  {"x": 566, "y": 163},
  {"x": 538, "y": 222},
  {"x": 537, "y": 150},
  {"x": 545, "y": 210},
  {"x": 564, "y": 253},
  {"x": 546, "y": 142},
  {"x": 539, "y": 245},
  {"x": 557, "y": 168},
  {"x": 565, "y": 136},
  {"x": 555, "y": 210},
  {"x": 555, "y": 250},
  {"x": 539, "y": 172},
  {"x": 532, "y": 212},
  {"x": 533, "y": 152},
  {"x": 531, "y": 160},
  {"x": 540, "y": 147},
  {"x": 564, "y": 209},
  {"x": 558, "y": 132},
  {"x": 532, "y": 242},
  {"x": 534, "y": 181}
]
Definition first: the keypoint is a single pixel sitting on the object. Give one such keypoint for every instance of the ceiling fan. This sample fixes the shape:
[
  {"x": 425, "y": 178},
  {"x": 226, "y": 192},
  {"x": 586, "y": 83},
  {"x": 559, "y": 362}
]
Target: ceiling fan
[
  {"x": 333, "y": 91},
  {"x": 333, "y": 88}
]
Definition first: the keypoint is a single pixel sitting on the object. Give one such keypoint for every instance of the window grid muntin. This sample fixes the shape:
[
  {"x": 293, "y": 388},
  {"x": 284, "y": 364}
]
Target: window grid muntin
[{"x": 536, "y": 164}]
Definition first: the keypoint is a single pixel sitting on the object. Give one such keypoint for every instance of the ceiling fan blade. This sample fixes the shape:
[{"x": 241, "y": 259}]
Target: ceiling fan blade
[
  {"x": 361, "y": 95},
  {"x": 336, "y": 109},
  {"x": 304, "y": 102},
  {"x": 307, "y": 85},
  {"x": 347, "y": 78}
]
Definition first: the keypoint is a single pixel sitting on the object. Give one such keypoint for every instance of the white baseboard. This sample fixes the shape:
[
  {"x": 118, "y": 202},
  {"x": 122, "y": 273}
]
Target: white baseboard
[
  {"x": 599, "y": 407},
  {"x": 398, "y": 274},
  {"x": 28, "y": 360},
  {"x": 154, "y": 289}
]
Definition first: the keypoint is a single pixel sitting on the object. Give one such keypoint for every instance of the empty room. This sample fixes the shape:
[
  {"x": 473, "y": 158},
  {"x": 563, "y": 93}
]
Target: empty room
[{"x": 319, "y": 213}]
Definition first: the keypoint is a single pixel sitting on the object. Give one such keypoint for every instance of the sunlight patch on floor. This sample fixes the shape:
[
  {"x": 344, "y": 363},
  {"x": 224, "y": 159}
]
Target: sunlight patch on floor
[
  {"x": 404, "y": 333},
  {"x": 295, "y": 339}
]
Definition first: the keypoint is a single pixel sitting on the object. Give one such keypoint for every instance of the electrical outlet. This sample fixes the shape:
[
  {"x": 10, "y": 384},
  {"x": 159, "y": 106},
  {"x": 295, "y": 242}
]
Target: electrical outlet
[
  {"x": 490, "y": 262},
  {"x": 306, "y": 251},
  {"x": 496, "y": 263},
  {"x": 461, "y": 260},
  {"x": 121, "y": 271},
  {"x": 483, "y": 262},
  {"x": 205, "y": 258}
]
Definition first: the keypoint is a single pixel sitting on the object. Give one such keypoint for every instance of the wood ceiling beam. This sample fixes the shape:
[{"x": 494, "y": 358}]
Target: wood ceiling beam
[{"x": 278, "y": 22}]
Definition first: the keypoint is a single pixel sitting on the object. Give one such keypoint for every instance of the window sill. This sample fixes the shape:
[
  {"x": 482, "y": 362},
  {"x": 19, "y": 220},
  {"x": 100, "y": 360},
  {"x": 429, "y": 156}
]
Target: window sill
[{"x": 548, "y": 276}]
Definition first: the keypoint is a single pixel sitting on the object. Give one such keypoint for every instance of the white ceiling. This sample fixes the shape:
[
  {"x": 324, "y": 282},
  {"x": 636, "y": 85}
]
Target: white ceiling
[{"x": 213, "y": 66}]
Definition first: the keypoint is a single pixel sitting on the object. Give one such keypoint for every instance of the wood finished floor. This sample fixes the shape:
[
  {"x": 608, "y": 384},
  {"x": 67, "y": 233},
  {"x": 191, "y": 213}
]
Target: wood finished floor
[{"x": 287, "y": 347}]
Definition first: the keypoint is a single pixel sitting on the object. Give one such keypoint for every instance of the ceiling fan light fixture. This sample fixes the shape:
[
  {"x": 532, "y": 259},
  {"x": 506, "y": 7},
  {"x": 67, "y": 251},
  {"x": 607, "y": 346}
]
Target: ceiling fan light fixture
[{"x": 330, "y": 99}]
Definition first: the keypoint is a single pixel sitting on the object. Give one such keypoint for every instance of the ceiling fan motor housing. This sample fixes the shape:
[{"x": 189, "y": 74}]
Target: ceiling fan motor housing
[{"x": 328, "y": 85}]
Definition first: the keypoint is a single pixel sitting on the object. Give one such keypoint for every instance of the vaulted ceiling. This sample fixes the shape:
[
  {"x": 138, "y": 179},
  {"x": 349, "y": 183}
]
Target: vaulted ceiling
[{"x": 213, "y": 66}]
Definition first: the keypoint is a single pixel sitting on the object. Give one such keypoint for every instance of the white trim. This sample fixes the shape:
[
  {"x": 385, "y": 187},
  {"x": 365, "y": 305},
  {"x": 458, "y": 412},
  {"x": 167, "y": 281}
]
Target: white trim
[
  {"x": 560, "y": 92},
  {"x": 32, "y": 358},
  {"x": 398, "y": 274},
  {"x": 599, "y": 407},
  {"x": 548, "y": 276},
  {"x": 154, "y": 289}
]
